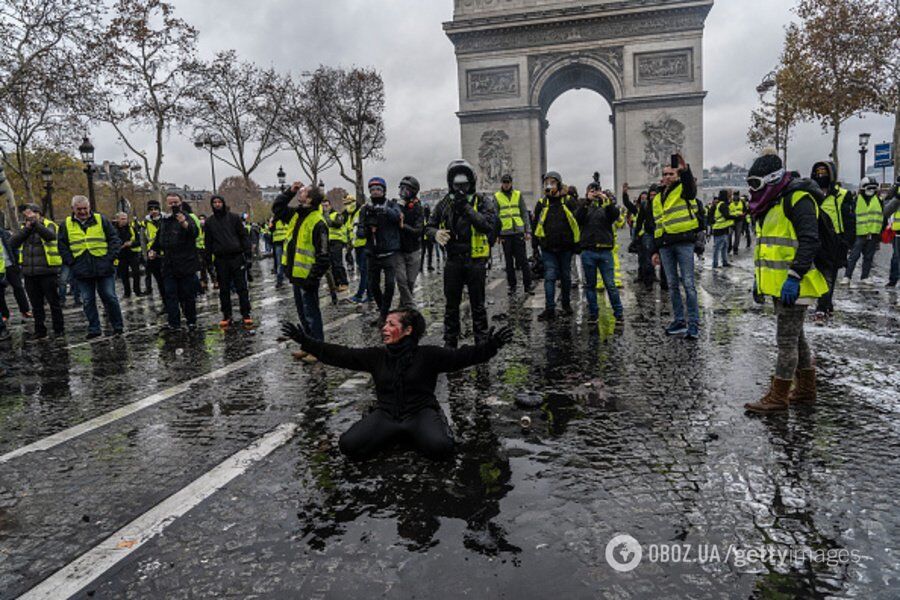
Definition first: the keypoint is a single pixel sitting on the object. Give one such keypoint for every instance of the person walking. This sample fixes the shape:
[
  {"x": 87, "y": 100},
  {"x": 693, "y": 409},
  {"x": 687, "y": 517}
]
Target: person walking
[
  {"x": 88, "y": 243},
  {"x": 787, "y": 241},
  {"x": 558, "y": 233},
  {"x": 176, "y": 244},
  {"x": 306, "y": 256},
  {"x": 40, "y": 263},
  {"x": 412, "y": 229},
  {"x": 515, "y": 231},
  {"x": 228, "y": 248}
]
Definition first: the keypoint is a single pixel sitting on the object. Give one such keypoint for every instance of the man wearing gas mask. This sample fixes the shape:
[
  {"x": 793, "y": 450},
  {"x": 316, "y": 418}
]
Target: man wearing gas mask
[
  {"x": 869, "y": 222},
  {"x": 379, "y": 225},
  {"x": 466, "y": 225}
]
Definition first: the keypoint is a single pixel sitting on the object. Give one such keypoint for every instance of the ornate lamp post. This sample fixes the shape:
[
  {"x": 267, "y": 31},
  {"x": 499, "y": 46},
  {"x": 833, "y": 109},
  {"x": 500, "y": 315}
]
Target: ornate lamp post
[
  {"x": 47, "y": 177},
  {"x": 212, "y": 143},
  {"x": 281, "y": 177},
  {"x": 87, "y": 156},
  {"x": 863, "y": 150}
]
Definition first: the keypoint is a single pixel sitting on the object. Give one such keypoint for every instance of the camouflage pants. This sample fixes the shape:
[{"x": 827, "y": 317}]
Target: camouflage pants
[{"x": 793, "y": 351}]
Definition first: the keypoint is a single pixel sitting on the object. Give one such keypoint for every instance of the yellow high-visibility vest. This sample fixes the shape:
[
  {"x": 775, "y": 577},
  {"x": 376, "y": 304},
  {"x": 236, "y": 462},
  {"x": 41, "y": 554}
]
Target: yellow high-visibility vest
[
  {"x": 51, "y": 251},
  {"x": 510, "y": 212},
  {"x": 91, "y": 240},
  {"x": 573, "y": 224},
  {"x": 868, "y": 216},
  {"x": 674, "y": 215},
  {"x": 305, "y": 250}
]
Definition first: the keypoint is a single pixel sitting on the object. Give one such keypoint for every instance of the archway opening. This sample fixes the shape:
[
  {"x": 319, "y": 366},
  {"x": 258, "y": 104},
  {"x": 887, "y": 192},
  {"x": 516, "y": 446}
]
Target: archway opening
[{"x": 579, "y": 138}]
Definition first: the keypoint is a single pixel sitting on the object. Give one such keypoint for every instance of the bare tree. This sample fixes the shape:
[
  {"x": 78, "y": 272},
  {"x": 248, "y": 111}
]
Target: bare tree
[
  {"x": 239, "y": 193},
  {"x": 143, "y": 62},
  {"x": 299, "y": 128},
  {"x": 887, "y": 75},
  {"x": 33, "y": 30},
  {"x": 833, "y": 53},
  {"x": 351, "y": 106},
  {"x": 240, "y": 103}
]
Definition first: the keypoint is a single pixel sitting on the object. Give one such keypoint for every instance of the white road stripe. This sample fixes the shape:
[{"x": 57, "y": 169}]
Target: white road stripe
[
  {"x": 120, "y": 413},
  {"x": 72, "y": 578}
]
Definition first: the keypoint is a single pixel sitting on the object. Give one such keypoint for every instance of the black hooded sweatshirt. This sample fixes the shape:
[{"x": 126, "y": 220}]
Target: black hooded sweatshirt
[
  {"x": 226, "y": 236},
  {"x": 848, "y": 208}
]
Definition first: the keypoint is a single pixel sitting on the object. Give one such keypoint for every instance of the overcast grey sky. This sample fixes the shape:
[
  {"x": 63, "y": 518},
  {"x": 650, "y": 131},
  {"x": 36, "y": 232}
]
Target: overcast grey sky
[{"x": 404, "y": 40}]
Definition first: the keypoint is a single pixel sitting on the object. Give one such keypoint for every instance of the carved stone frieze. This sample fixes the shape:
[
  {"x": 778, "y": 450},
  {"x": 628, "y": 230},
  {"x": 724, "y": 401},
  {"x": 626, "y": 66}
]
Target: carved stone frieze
[
  {"x": 663, "y": 137},
  {"x": 669, "y": 66},
  {"x": 494, "y": 156},
  {"x": 493, "y": 82}
]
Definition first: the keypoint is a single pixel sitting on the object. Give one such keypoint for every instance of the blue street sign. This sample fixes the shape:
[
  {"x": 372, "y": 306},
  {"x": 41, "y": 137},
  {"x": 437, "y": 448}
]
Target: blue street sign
[{"x": 883, "y": 156}]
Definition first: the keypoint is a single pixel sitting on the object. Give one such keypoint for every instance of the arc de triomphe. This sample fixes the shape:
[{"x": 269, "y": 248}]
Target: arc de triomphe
[{"x": 515, "y": 57}]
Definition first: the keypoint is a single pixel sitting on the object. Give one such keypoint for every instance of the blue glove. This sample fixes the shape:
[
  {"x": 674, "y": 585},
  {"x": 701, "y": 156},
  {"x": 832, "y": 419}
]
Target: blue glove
[{"x": 790, "y": 291}]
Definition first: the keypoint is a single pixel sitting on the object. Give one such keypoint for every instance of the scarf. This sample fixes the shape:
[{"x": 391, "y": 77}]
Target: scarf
[{"x": 762, "y": 199}]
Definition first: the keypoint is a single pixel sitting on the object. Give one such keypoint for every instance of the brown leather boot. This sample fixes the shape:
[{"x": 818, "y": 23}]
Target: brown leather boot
[
  {"x": 804, "y": 391},
  {"x": 775, "y": 400}
]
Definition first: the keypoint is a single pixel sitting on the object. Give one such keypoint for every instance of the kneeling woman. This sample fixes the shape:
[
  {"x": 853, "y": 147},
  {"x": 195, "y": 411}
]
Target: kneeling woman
[{"x": 405, "y": 377}]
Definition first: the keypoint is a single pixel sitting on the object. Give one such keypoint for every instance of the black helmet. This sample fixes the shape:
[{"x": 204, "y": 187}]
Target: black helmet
[
  {"x": 554, "y": 175},
  {"x": 410, "y": 182},
  {"x": 460, "y": 167}
]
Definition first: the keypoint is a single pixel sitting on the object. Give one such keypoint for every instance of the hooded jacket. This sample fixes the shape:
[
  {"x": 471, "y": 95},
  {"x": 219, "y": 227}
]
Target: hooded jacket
[
  {"x": 178, "y": 245},
  {"x": 830, "y": 191},
  {"x": 226, "y": 236}
]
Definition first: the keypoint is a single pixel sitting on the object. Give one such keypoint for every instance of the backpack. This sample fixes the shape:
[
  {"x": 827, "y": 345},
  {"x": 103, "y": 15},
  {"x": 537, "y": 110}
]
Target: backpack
[{"x": 831, "y": 255}]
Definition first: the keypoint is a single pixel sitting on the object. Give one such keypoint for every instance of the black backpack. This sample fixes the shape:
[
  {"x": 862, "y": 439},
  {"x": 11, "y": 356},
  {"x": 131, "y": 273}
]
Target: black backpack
[{"x": 831, "y": 255}]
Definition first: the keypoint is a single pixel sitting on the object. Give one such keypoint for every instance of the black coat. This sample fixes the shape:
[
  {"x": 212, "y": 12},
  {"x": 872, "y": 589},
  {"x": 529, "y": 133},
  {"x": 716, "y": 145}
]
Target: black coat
[
  {"x": 31, "y": 241},
  {"x": 413, "y": 226},
  {"x": 226, "y": 235},
  {"x": 284, "y": 213},
  {"x": 88, "y": 266},
  {"x": 177, "y": 245},
  {"x": 459, "y": 219},
  {"x": 597, "y": 223},
  {"x": 558, "y": 235}
]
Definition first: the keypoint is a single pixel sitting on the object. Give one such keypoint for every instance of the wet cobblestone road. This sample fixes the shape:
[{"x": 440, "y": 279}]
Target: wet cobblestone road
[{"x": 206, "y": 466}]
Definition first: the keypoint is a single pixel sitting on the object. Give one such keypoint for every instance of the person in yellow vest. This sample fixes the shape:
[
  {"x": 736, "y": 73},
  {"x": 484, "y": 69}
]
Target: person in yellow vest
[
  {"x": 736, "y": 210},
  {"x": 279, "y": 230},
  {"x": 337, "y": 240},
  {"x": 676, "y": 225},
  {"x": 869, "y": 223},
  {"x": 787, "y": 240},
  {"x": 306, "y": 257},
  {"x": 620, "y": 223},
  {"x": 4, "y": 332},
  {"x": 40, "y": 262},
  {"x": 515, "y": 231},
  {"x": 176, "y": 243},
  {"x": 154, "y": 265},
  {"x": 892, "y": 214},
  {"x": 465, "y": 224},
  {"x": 349, "y": 233},
  {"x": 558, "y": 234},
  {"x": 838, "y": 205},
  {"x": 722, "y": 220},
  {"x": 88, "y": 243},
  {"x": 129, "y": 259},
  {"x": 597, "y": 218},
  {"x": 358, "y": 245}
]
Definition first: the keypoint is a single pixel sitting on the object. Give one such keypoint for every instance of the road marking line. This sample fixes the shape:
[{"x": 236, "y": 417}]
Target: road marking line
[
  {"x": 75, "y": 431},
  {"x": 75, "y": 576}
]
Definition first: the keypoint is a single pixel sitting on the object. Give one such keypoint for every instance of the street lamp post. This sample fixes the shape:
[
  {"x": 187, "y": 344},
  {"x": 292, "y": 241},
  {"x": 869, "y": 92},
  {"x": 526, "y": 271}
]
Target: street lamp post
[
  {"x": 769, "y": 83},
  {"x": 87, "y": 156},
  {"x": 212, "y": 143},
  {"x": 281, "y": 177},
  {"x": 47, "y": 177},
  {"x": 863, "y": 150}
]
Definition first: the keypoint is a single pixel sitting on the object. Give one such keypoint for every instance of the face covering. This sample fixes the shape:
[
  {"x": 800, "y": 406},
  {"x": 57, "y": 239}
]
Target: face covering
[
  {"x": 406, "y": 193},
  {"x": 761, "y": 199},
  {"x": 461, "y": 189}
]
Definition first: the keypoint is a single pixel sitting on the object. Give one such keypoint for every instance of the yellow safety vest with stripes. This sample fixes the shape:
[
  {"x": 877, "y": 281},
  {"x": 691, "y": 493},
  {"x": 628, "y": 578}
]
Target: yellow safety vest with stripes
[
  {"x": 832, "y": 207},
  {"x": 2, "y": 261},
  {"x": 510, "y": 212},
  {"x": 135, "y": 238},
  {"x": 91, "y": 240},
  {"x": 305, "y": 250},
  {"x": 720, "y": 221},
  {"x": 152, "y": 228},
  {"x": 868, "y": 215},
  {"x": 358, "y": 242},
  {"x": 573, "y": 224},
  {"x": 674, "y": 215},
  {"x": 201, "y": 237},
  {"x": 336, "y": 232},
  {"x": 896, "y": 225},
  {"x": 776, "y": 247},
  {"x": 280, "y": 233},
  {"x": 479, "y": 241},
  {"x": 51, "y": 251}
]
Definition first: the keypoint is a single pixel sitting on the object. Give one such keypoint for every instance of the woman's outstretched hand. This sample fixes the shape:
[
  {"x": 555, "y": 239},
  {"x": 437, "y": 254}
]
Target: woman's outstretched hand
[
  {"x": 500, "y": 337},
  {"x": 294, "y": 332}
]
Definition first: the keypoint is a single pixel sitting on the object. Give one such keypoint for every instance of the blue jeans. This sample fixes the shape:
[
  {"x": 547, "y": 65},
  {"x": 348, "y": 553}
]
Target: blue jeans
[
  {"x": 678, "y": 262},
  {"x": 279, "y": 268},
  {"x": 181, "y": 295},
  {"x": 557, "y": 265},
  {"x": 363, "y": 268},
  {"x": 602, "y": 260},
  {"x": 105, "y": 287},
  {"x": 307, "y": 301},
  {"x": 720, "y": 246},
  {"x": 66, "y": 279},
  {"x": 895, "y": 261}
]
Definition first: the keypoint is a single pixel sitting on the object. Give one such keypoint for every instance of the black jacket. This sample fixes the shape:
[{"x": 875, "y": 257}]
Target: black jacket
[
  {"x": 31, "y": 241},
  {"x": 688, "y": 192},
  {"x": 597, "y": 223},
  {"x": 226, "y": 235},
  {"x": 88, "y": 266},
  {"x": 379, "y": 225},
  {"x": 413, "y": 226},
  {"x": 177, "y": 245},
  {"x": 558, "y": 235},
  {"x": 459, "y": 219},
  {"x": 283, "y": 212},
  {"x": 402, "y": 389}
]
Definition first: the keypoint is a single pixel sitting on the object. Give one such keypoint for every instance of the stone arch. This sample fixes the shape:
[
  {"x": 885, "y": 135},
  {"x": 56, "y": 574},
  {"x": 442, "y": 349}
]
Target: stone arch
[{"x": 575, "y": 71}]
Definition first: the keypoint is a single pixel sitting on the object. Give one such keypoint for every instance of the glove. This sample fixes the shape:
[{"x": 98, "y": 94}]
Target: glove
[
  {"x": 294, "y": 332},
  {"x": 499, "y": 337},
  {"x": 442, "y": 237},
  {"x": 790, "y": 291}
]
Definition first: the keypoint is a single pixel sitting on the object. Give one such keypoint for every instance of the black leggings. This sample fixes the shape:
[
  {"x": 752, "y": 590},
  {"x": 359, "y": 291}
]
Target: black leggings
[{"x": 426, "y": 429}]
